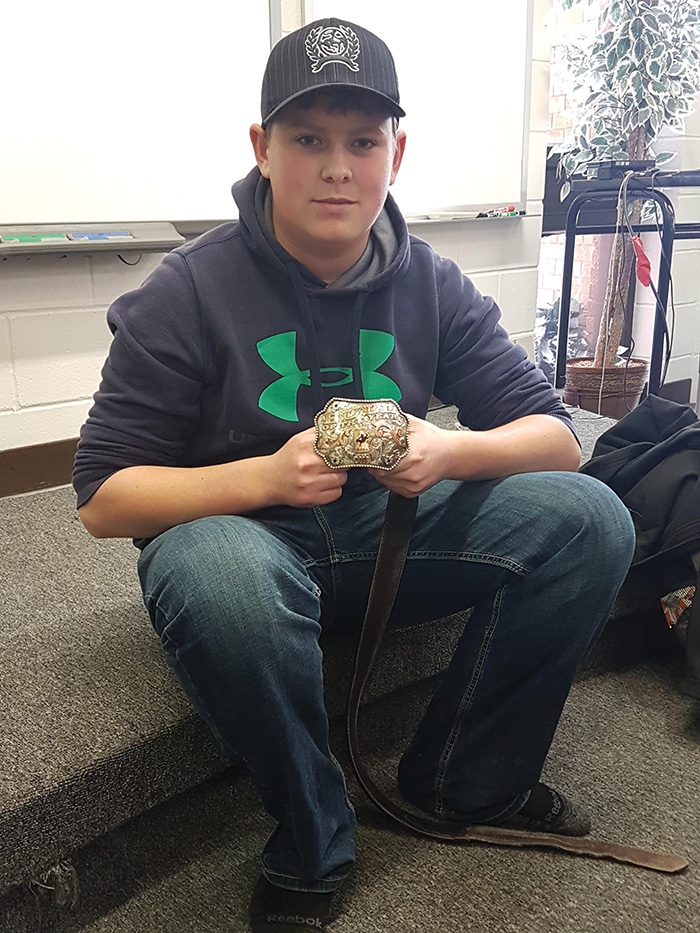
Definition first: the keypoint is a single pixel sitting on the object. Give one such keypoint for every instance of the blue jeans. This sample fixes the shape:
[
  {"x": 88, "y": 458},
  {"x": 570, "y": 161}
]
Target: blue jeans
[{"x": 240, "y": 602}]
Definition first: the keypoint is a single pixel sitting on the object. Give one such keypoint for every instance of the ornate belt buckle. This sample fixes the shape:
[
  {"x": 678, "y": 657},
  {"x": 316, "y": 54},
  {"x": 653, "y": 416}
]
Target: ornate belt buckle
[{"x": 361, "y": 433}]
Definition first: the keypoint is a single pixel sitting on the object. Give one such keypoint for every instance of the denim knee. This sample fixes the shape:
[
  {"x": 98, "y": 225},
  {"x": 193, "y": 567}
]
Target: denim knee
[
  {"x": 228, "y": 580},
  {"x": 598, "y": 519}
]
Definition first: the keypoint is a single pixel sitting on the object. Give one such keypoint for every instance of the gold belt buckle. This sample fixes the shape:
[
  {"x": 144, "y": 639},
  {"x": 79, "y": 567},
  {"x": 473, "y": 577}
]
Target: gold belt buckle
[{"x": 361, "y": 433}]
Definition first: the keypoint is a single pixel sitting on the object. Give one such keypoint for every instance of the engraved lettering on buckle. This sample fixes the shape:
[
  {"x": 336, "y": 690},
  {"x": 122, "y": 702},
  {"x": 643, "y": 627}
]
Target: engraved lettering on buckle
[{"x": 361, "y": 433}]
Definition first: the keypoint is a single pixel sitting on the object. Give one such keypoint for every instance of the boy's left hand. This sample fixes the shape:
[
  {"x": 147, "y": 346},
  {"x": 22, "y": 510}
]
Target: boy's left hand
[{"x": 425, "y": 464}]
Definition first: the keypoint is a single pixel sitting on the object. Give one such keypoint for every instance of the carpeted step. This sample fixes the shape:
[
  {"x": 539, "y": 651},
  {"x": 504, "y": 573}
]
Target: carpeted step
[{"x": 95, "y": 729}]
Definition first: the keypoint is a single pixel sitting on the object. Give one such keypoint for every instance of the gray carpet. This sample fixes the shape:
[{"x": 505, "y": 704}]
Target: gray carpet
[{"x": 628, "y": 746}]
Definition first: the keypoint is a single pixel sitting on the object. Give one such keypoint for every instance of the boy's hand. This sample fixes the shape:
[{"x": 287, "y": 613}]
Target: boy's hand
[
  {"x": 534, "y": 442},
  {"x": 425, "y": 464},
  {"x": 299, "y": 477}
]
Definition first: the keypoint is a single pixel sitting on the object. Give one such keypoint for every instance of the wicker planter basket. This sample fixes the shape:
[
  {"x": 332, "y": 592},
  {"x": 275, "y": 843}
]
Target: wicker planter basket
[{"x": 622, "y": 386}]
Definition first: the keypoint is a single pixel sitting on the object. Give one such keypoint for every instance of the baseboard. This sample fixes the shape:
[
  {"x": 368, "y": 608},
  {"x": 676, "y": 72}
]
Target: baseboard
[{"x": 42, "y": 466}]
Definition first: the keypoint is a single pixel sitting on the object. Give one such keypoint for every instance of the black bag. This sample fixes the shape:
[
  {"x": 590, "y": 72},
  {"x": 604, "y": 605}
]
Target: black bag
[{"x": 651, "y": 459}]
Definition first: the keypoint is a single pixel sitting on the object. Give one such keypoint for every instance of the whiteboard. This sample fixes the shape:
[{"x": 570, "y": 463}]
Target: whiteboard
[
  {"x": 138, "y": 110},
  {"x": 464, "y": 80},
  {"x": 127, "y": 110}
]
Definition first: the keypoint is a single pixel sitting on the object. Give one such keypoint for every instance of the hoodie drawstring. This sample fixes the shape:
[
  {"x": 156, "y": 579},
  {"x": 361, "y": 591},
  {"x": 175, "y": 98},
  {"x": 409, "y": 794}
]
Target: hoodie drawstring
[{"x": 310, "y": 331}]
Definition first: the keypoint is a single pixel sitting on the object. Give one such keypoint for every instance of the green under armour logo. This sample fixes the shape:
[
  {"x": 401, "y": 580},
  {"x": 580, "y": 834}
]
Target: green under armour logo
[{"x": 279, "y": 353}]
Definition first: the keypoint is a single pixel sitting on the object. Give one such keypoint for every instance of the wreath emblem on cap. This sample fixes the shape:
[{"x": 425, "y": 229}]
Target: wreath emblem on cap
[{"x": 326, "y": 44}]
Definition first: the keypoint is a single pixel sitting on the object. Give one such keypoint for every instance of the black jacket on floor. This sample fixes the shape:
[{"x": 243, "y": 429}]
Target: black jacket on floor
[{"x": 651, "y": 459}]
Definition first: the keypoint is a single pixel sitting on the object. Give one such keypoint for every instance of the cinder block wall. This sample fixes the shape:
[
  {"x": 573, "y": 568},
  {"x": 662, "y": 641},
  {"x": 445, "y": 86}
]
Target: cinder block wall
[
  {"x": 685, "y": 268},
  {"x": 54, "y": 338}
]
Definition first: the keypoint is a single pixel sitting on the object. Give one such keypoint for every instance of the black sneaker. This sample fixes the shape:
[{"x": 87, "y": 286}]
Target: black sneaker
[
  {"x": 280, "y": 910},
  {"x": 548, "y": 811}
]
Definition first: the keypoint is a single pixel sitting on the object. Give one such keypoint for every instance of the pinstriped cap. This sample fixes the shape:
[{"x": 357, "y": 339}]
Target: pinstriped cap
[{"x": 325, "y": 53}]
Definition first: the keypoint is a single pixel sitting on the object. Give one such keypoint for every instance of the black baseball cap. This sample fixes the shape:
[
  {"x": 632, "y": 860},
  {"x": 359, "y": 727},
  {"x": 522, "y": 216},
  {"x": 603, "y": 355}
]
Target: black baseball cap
[{"x": 326, "y": 53}]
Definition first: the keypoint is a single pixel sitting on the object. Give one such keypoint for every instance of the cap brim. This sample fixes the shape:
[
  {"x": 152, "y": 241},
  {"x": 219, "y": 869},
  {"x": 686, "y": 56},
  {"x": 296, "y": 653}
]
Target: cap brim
[{"x": 394, "y": 107}]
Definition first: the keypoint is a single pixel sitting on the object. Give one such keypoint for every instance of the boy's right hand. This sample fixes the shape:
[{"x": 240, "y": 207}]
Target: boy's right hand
[
  {"x": 300, "y": 477},
  {"x": 143, "y": 501}
]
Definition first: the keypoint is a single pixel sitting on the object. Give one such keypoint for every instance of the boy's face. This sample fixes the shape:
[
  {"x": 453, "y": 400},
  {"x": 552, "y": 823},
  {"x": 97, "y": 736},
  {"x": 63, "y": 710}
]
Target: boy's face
[{"x": 329, "y": 173}]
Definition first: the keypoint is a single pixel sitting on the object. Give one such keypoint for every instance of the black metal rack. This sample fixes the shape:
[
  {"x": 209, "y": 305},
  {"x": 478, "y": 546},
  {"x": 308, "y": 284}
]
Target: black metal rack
[{"x": 644, "y": 186}]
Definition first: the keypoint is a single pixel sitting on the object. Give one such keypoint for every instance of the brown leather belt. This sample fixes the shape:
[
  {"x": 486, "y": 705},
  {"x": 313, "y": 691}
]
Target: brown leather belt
[{"x": 349, "y": 432}]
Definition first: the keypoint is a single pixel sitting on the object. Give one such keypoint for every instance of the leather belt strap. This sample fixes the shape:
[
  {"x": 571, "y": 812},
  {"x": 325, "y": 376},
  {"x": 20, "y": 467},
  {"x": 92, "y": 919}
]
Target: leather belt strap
[
  {"x": 391, "y": 556},
  {"x": 393, "y": 546}
]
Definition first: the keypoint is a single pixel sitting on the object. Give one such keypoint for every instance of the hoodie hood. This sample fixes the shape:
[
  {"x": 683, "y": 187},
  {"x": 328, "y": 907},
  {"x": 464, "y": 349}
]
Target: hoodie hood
[{"x": 389, "y": 241}]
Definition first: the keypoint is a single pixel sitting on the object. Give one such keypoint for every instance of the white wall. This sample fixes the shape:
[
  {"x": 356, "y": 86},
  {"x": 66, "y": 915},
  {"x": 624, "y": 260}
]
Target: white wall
[
  {"x": 685, "y": 270},
  {"x": 53, "y": 336},
  {"x": 685, "y": 359}
]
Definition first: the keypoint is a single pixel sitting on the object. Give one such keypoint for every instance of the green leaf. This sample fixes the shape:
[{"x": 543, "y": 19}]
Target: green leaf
[
  {"x": 585, "y": 155},
  {"x": 636, "y": 27},
  {"x": 650, "y": 21},
  {"x": 599, "y": 141},
  {"x": 639, "y": 50},
  {"x": 658, "y": 87},
  {"x": 565, "y": 190},
  {"x": 658, "y": 51},
  {"x": 569, "y": 163},
  {"x": 654, "y": 68},
  {"x": 623, "y": 46},
  {"x": 621, "y": 70},
  {"x": 662, "y": 158}
]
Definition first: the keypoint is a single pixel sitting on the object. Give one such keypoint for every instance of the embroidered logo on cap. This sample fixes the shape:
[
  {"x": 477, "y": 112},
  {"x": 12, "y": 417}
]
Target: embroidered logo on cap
[{"x": 326, "y": 44}]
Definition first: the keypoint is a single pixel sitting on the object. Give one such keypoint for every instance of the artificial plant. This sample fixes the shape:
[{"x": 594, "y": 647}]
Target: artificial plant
[{"x": 637, "y": 74}]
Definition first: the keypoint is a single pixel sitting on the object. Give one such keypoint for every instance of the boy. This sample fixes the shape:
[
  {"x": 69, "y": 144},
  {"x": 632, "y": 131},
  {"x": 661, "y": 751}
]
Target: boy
[{"x": 200, "y": 445}]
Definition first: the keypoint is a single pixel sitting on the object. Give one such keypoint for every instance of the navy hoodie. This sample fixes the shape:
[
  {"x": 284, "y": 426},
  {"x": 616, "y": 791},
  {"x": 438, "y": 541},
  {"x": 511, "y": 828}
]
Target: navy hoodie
[{"x": 231, "y": 346}]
